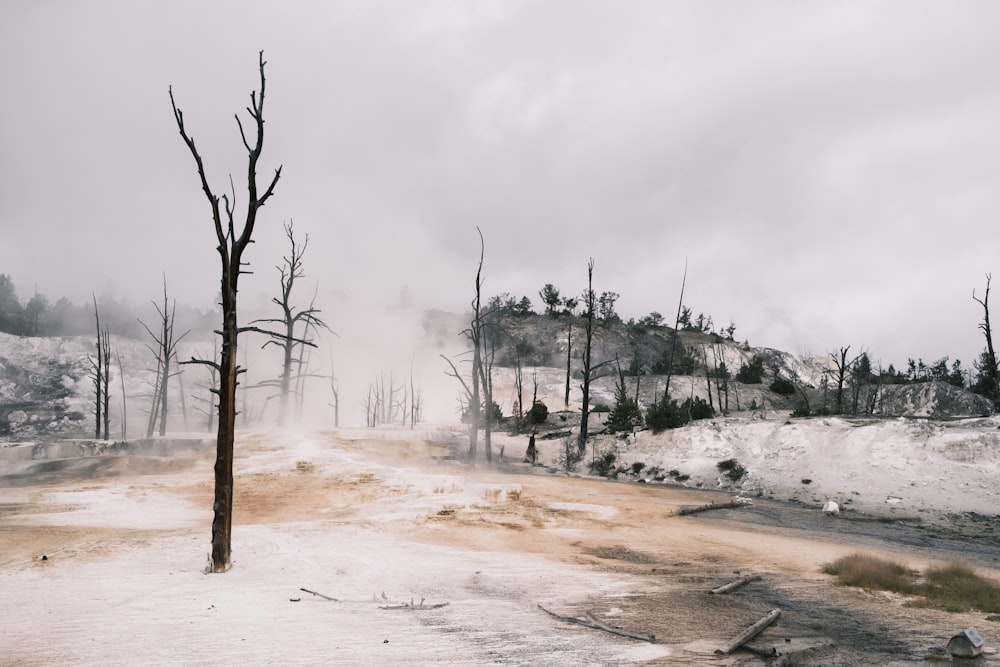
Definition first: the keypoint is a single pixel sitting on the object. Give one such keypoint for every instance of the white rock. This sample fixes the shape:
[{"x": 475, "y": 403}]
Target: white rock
[{"x": 831, "y": 508}]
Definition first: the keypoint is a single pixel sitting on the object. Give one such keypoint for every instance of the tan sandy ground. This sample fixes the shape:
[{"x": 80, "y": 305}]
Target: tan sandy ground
[{"x": 108, "y": 569}]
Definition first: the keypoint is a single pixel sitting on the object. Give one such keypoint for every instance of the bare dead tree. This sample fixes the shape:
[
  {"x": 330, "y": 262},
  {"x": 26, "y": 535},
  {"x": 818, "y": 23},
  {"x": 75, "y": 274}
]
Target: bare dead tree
[
  {"x": 232, "y": 243},
  {"x": 106, "y": 358},
  {"x": 471, "y": 397},
  {"x": 385, "y": 402},
  {"x": 121, "y": 377},
  {"x": 414, "y": 397},
  {"x": 673, "y": 337},
  {"x": 721, "y": 371},
  {"x": 369, "y": 404},
  {"x": 590, "y": 308},
  {"x": 100, "y": 374},
  {"x": 708, "y": 375},
  {"x": 519, "y": 412},
  {"x": 590, "y": 369},
  {"x": 97, "y": 375},
  {"x": 569, "y": 357},
  {"x": 165, "y": 354},
  {"x": 475, "y": 334},
  {"x": 181, "y": 394},
  {"x": 291, "y": 318},
  {"x": 842, "y": 366},
  {"x": 990, "y": 372},
  {"x": 335, "y": 389}
]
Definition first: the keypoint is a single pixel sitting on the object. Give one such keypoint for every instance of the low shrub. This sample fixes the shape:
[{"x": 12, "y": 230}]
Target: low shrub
[
  {"x": 605, "y": 465},
  {"x": 732, "y": 469},
  {"x": 782, "y": 386},
  {"x": 538, "y": 413}
]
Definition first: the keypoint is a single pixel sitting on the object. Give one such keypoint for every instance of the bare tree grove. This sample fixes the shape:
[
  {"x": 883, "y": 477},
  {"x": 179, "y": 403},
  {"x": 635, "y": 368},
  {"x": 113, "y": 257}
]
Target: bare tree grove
[{"x": 165, "y": 354}]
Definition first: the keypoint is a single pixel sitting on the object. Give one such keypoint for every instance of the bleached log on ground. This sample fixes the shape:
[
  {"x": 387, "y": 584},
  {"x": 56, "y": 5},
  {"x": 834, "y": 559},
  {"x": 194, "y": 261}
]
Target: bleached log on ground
[
  {"x": 750, "y": 632},
  {"x": 415, "y": 607},
  {"x": 733, "y": 585}
]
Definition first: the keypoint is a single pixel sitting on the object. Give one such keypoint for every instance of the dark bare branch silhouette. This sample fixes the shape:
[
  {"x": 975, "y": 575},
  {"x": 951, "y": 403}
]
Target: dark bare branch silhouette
[{"x": 231, "y": 245}]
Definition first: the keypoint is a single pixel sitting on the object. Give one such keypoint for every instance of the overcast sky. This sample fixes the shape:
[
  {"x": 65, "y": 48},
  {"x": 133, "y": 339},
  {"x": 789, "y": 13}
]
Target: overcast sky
[{"x": 830, "y": 170}]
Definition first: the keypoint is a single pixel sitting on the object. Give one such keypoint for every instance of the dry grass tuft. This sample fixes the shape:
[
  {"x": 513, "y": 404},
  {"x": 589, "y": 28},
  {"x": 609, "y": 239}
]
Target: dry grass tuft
[
  {"x": 872, "y": 573},
  {"x": 954, "y": 587}
]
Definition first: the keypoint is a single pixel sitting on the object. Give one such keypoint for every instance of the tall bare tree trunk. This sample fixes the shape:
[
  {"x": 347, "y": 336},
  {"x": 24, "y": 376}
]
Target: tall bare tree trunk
[
  {"x": 569, "y": 358},
  {"x": 992, "y": 371},
  {"x": 475, "y": 404},
  {"x": 335, "y": 389},
  {"x": 590, "y": 305},
  {"x": 106, "y": 354},
  {"x": 121, "y": 377},
  {"x": 98, "y": 366},
  {"x": 708, "y": 379},
  {"x": 673, "y": 337},
  {"x": 231, "y": 246}
]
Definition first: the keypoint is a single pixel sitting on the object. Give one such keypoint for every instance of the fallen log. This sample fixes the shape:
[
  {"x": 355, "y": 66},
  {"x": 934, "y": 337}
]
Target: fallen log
[
  {"x": 733, "y": 585},
  {"x": 739, "y": 502},
  {"x": 750, "y": 632},
  {"x": 594, "y": 624},
  {"x": 415, "y": 607},
  {"x": 325, "y": 597},
  {"x": 624, "y": 632}
]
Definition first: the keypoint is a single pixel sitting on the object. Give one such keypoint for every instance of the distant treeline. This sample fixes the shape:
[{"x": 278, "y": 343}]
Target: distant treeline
[{"x": 39, "y": 317}]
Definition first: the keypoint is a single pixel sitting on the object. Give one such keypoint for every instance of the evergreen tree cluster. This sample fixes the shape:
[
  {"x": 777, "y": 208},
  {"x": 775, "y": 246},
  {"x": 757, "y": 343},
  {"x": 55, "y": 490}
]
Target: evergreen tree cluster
[
  {"x": 667, "y": 413},
  {"x": 39, "y": 317}
]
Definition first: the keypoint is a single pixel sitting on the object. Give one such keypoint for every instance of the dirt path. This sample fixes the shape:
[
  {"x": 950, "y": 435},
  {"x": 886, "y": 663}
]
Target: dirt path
[{"x": 124, "y": 543}]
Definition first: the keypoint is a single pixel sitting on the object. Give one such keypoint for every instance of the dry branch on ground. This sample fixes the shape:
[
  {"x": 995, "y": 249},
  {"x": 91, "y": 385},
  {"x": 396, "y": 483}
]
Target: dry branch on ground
[
  {"x": 738, "y": 502},
  {"x": 595, "y": 624},
  {"x": 320, "y": 595}
]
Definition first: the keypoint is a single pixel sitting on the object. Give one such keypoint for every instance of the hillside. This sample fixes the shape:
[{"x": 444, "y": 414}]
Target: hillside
[{"x": 543, "y": 342}]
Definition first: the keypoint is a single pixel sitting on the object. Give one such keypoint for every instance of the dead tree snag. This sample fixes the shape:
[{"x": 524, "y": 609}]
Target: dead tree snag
[
  {"x": 291, "y": 318},
  {"x": 232, "y": 242}
]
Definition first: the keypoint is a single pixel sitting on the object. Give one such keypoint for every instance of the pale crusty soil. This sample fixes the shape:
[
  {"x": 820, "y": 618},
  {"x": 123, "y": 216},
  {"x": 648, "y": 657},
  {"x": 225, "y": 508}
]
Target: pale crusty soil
[{"x": 104, "y": 566}]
